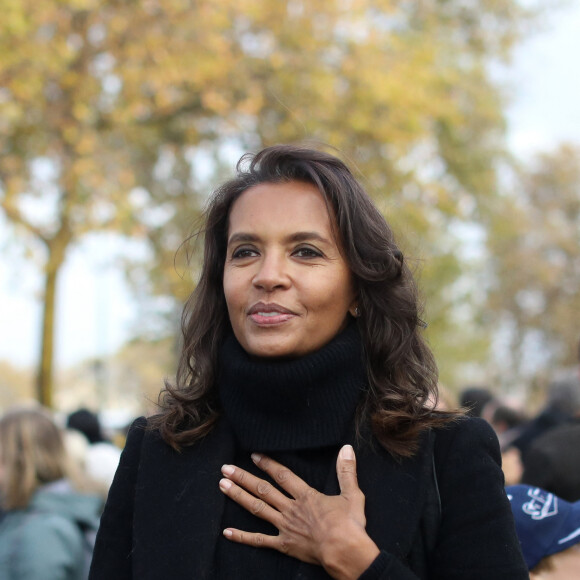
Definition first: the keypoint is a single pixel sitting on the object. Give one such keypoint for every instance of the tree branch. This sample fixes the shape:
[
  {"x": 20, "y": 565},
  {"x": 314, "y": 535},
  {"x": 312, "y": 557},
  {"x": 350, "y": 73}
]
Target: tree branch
[{"x": 16, "y": 217}]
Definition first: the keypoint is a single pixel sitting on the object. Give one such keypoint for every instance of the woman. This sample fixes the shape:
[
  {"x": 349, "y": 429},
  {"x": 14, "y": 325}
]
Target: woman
[
  {"x": 302, "y": 368},
  {"x": 46, "y": 529}
]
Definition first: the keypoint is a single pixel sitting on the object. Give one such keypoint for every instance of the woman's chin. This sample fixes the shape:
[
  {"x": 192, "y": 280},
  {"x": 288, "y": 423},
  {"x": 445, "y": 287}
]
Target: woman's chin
[
  {"x": 272, "y": 352},
  {"x": 271, "y": 348}
]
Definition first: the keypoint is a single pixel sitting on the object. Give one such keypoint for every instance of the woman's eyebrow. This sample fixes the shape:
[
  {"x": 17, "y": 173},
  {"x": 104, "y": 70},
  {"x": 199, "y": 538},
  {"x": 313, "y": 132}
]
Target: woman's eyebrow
[
  {"x": 295, "y": 237},
  {"x": 242, "y": 237},
  {"x": 306, "y": 236}
]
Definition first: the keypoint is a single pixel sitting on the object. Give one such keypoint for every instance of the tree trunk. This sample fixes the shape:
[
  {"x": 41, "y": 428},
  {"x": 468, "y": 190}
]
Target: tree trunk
[
  {"x": 57, "y": 247},
  {"x": 44, "y": 387}
]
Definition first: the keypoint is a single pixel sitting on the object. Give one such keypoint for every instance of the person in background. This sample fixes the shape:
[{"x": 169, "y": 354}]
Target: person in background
[
  {"x": 300, "y": 437},
  {"x": 48, "y": 528},
  {"x": 101, "y": 457},
  {"x": 475, "y": 399},
  {"x": 562, "y": 403},
  {"x": 508, "y": 422},
  {"x": 549, "y": 532},
  {"x": 553, "y": 460}
]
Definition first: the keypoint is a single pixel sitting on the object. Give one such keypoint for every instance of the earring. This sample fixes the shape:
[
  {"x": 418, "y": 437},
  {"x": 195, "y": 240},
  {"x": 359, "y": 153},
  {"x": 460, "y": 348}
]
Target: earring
[{"x": 356, "y": 312}]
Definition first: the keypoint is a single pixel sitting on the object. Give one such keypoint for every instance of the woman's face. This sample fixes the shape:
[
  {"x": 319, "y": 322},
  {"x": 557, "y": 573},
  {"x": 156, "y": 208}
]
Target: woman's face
[{"x": 287, "y": 286}]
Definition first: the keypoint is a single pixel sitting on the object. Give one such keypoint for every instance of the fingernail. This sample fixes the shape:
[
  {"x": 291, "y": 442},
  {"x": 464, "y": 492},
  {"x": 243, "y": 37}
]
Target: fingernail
[
  {"x": 225, "y": 484},
  {"x": 347, "y": 452},
  {"x": 228, "y": 469},
  {"x": 256, "y": 457},
  {"x": 228, "y": 533}
]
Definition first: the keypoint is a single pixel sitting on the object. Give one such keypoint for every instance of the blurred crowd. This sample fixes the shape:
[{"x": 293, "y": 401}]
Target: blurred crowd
[
  {"x": 541, "y": 464},
  {"x": 539, "y": 450},
  {"x": 55, "y": 474}
]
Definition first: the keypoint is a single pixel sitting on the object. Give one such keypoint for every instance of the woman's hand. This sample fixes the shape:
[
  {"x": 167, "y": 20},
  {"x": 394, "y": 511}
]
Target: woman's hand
[{"x": 313, "y": 527}]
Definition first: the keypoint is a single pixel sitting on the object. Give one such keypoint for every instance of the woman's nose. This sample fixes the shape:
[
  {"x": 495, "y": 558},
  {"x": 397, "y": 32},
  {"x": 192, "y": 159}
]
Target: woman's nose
[{"x": 272, "y": 274}]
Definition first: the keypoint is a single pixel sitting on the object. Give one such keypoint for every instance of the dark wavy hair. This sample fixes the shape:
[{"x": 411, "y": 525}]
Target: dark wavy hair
[{"x": 402, "y": 373}]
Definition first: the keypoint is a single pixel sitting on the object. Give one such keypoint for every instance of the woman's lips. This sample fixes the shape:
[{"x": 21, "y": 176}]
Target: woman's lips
[{"x": 269, "y": 314}]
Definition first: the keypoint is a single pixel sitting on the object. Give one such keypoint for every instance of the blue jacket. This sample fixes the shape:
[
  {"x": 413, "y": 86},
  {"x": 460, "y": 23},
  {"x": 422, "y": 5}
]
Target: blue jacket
[{"x": 47, "y": 540}]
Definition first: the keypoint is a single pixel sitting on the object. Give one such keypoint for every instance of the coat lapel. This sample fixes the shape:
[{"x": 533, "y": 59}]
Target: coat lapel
[
  {"x": 172, "y": 520},
  {"x": 395, "y": 493},
  {"x": 395, "y": 496}
]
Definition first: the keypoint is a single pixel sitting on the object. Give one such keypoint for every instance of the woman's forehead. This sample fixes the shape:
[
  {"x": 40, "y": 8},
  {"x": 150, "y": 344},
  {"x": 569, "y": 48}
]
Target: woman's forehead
[{"x": 281, "y": 205}]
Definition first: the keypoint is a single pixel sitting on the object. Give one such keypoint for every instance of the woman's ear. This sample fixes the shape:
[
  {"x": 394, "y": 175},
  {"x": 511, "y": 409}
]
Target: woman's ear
[{"x": 354, "y": 310}]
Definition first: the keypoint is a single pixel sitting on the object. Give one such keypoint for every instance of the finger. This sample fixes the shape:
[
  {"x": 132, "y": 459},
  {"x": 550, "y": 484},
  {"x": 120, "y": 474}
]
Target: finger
[
  {"x": 285, "y": 478},
  {"x": 250, "y": 503},
  {"x": 251, "y": 539},
  {"x": 256, "y": 486},
  {"x": 346, "y": 471}
]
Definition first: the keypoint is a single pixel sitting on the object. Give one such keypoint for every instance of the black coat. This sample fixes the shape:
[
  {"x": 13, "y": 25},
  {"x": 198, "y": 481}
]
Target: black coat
[
  {"x": 553, "y": 462},
  {"x": 164, "y": 511}
]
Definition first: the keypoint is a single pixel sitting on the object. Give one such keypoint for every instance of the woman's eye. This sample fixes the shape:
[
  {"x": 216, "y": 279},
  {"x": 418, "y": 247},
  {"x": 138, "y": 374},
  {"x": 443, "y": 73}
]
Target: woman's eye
[
  {"x": 307, "y": 253},
  {"x": 244, "y": 253}
]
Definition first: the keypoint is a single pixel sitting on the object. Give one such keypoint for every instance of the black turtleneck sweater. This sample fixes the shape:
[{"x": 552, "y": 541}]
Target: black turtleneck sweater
[{"x": 296, "y": 411}]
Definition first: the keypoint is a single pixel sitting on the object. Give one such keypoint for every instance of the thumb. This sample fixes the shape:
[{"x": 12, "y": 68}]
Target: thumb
[{"x": 346, "y": 470}]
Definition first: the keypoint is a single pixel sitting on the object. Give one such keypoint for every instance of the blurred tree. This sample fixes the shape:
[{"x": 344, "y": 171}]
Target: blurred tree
[
  {"x": 16, "y": 385},
  {"x": 109, "y": 108},
  {"x": 143, "y": 364},
  {"x": 534, "y": 242}
]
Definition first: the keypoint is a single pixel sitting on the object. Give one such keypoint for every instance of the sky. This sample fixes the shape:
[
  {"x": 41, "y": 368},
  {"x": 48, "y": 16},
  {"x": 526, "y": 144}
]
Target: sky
[
  {"x": 545, "y": 76},
  {"x": 95, "y": 310}
]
